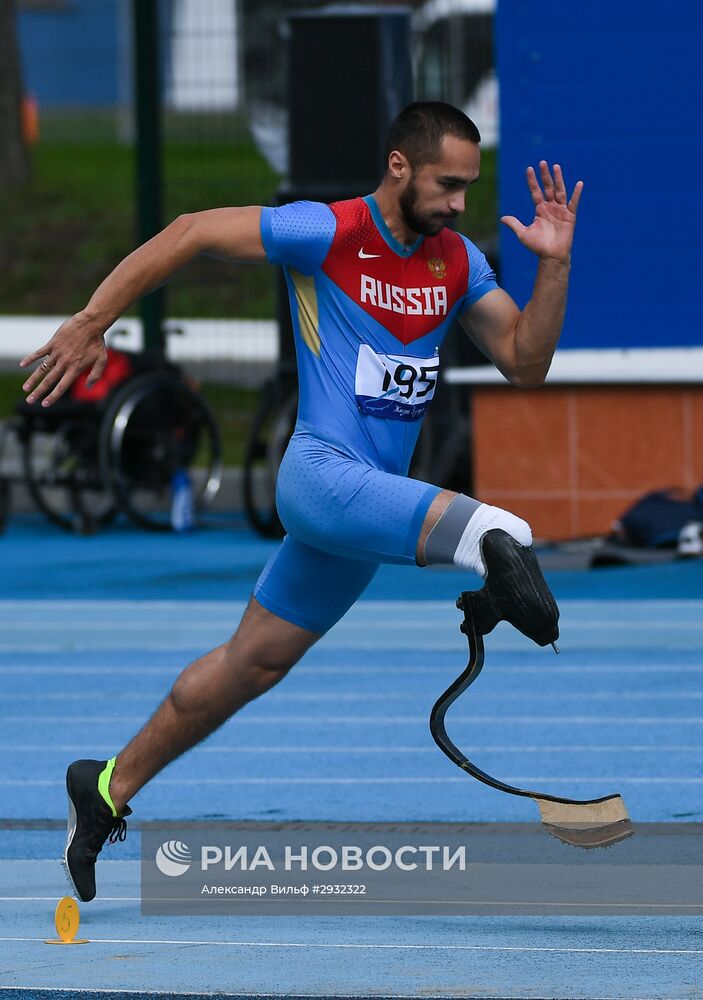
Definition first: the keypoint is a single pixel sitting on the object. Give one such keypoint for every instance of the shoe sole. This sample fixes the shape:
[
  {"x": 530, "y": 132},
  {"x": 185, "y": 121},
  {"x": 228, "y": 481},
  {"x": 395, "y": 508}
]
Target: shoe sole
[{"x": 70, "y": 833}]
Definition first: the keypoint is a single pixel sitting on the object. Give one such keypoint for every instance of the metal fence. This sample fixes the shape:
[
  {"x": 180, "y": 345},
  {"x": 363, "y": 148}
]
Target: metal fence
[{"x": 223, "y": 89}]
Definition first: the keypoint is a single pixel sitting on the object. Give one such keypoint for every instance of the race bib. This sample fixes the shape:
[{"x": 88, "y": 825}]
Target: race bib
[{"x": 394, "y": 386}]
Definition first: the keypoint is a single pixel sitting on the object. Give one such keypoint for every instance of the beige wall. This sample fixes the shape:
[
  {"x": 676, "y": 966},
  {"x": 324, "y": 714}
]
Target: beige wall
[{"x": 571, "y": 459}]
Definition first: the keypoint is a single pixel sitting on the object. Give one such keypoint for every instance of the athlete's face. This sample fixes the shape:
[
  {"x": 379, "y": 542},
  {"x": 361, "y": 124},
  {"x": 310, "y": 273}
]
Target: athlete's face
[{"x": 435, "y": 193}]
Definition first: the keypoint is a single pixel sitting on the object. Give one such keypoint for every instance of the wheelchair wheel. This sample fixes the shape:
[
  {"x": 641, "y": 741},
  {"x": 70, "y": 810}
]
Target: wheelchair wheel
[
  {"x": 270, "y": 433},
  {"x": 155, "y": 426},
  {"x": 62, "y": 474}
]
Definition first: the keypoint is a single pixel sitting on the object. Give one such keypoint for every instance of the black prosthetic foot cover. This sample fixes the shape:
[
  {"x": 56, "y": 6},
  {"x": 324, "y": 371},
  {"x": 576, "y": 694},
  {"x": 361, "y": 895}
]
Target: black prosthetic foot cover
[{"x": 515, "y": 591}]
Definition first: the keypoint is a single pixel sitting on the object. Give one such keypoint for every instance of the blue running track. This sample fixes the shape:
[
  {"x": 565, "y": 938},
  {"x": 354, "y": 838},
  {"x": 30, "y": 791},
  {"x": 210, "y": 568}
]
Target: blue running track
[{"x": 94, "y": 630}]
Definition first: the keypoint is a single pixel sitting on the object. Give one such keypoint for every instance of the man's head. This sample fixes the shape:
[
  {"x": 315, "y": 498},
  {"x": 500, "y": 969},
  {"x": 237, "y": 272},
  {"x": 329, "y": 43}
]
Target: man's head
[{"x": 432, "y": 155}]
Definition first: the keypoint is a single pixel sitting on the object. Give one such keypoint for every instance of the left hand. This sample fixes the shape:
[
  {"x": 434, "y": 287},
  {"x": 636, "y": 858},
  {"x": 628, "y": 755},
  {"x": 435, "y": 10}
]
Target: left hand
[{"x": 552, "y": 232}]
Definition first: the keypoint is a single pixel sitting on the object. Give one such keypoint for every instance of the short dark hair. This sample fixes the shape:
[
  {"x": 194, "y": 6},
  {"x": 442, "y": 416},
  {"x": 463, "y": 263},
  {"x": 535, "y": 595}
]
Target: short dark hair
[{"x": 418, "y": 130}]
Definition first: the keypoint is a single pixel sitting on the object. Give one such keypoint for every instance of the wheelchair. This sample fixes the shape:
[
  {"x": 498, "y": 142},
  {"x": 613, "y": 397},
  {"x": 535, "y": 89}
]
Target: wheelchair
[{"x": 89, "y": 457}]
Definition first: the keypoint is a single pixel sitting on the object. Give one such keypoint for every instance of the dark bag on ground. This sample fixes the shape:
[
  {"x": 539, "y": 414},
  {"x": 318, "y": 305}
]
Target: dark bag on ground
[{"x": 656, "y": 519}]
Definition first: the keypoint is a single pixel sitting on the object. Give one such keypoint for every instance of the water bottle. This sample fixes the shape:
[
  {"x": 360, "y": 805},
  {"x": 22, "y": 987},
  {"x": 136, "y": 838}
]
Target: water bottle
[{"x": 182, "y": 501}]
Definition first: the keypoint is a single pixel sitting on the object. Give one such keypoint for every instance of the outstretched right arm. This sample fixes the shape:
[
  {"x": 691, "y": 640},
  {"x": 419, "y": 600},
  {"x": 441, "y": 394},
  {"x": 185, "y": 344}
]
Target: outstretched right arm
[{"x": 231, "y": 234}]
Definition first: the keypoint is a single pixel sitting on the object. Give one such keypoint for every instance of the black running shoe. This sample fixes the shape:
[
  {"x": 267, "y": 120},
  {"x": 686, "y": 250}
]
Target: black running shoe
[
  {"x": 515, "y": 590},
  {"x": 91, "y": 821}
]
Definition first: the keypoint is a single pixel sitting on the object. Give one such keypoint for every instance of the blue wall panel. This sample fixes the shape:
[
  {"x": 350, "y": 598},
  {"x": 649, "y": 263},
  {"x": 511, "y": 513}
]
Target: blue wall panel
[
  {"x": 612, "y": 90},
  {"x": 70, "y": 55}
]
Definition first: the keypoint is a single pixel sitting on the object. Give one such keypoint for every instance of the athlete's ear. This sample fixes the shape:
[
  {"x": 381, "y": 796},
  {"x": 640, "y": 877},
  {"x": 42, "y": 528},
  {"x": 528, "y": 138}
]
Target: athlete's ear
[{"x": 398, "y": 166}]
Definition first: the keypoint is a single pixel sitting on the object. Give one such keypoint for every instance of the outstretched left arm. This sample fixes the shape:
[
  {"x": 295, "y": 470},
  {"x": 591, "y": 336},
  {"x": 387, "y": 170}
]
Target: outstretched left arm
[{"x": 521, "y": 344}]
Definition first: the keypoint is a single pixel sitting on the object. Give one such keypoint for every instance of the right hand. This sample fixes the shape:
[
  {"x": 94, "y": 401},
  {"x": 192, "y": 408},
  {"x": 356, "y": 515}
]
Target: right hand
[
  {"x": 551, "y": 233},
  {"x": 74, "y": 347}
]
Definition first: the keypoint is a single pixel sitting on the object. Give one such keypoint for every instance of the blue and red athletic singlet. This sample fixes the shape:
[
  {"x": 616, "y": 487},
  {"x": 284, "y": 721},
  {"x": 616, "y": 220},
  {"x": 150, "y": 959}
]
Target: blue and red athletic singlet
[{"x": 369, "y": 316}]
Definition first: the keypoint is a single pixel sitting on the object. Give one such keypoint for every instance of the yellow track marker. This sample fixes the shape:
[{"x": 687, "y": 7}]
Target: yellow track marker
[{"x": 67, "y": 919}]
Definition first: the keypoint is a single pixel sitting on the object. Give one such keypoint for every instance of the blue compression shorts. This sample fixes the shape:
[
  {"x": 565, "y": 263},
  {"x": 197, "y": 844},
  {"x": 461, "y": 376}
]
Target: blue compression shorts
[{"x": 344, "y": 518}]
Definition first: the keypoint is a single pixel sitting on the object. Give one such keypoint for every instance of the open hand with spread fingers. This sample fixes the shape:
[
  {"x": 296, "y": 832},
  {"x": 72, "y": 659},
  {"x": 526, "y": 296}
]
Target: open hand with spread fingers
[
  {"x": 74, "y": 347},
  {"x": 552, "y": 231}
]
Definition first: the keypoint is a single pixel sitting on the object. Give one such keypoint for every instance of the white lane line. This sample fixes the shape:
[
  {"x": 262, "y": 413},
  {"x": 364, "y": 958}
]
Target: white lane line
[
  {"x": 146, "y": 607},
  {"x": 375, "y": 720},
  {"x": 386, "y": 947},
  {"x": 44, "y": 899},
  {"x": 186, "y": 649},
  {"x": 411, "y": 700},
  {"x": 110, "y": 643},
  {"x": 438, "y": 902},
  {"x": 39, "y": 990},
  {"x": 97, "y": 629},
  {"x": 46, "y": 605},
  {"x": 544, "y": 668},
  {"x": 684, "y": 907},
  {"x": 549, "y": 671},
  {"x": 408, "y": 780},
  {"x": 124, "y": 625},
  {"x": 430, "y": 749},
  {"x": 365, "y": 696},
  {"x": 416, "y": 623},
  {"x": 371, "y": 645}
]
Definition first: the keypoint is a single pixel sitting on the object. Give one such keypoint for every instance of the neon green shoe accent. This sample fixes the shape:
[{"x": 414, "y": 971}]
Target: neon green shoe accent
[{"x": 104, "y": 784}]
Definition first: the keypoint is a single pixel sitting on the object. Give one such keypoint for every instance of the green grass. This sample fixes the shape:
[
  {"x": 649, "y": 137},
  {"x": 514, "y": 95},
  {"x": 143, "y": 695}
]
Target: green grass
[
  {"x": 75, "y": 220},
  {"x": 480, "y": 220},
  {"x": 10, "y": 392},
  {"x": 233, "y": 408}
]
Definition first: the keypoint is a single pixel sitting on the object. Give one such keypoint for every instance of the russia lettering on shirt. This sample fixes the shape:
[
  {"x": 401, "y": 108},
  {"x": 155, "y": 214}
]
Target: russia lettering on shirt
[{"x": 411, "y": 301}]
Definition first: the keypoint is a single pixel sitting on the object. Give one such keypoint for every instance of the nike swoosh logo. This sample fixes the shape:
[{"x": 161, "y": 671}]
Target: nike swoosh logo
[{"x": 365, "y": 256}]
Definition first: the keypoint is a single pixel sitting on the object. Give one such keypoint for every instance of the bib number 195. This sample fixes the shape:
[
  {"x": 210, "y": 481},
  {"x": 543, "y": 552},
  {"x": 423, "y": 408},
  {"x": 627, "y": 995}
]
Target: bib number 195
[{"x": 396, "y": 387}]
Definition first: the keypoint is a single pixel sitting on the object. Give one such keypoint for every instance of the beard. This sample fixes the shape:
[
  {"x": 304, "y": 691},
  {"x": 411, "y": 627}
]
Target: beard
[{"x": 427, "y": 224}]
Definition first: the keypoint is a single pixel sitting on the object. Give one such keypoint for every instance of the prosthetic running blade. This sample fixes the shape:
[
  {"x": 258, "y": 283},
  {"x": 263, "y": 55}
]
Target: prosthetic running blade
[{"x": 515, "y": 591}]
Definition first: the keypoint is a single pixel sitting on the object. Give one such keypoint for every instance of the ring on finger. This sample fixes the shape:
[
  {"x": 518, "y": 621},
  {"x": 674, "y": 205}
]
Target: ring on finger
[{"x": 46, "y": 366}]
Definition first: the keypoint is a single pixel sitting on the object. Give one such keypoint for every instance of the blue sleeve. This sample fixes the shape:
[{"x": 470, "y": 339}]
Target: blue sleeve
[
  {"x": 298, "y": 234},
  {"x": 482, "y": 278}
]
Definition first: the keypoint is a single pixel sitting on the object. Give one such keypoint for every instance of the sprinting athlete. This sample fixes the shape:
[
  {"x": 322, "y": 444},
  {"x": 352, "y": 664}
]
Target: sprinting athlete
[{"x": 374, "y": 285}]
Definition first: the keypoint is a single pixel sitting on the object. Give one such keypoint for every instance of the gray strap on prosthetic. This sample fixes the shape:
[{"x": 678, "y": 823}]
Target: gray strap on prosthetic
[{"x": 444, "y": 538}]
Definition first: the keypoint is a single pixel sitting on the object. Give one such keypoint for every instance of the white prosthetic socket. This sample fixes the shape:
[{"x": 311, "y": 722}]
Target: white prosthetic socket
[{"x": 456, "y": 536}]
